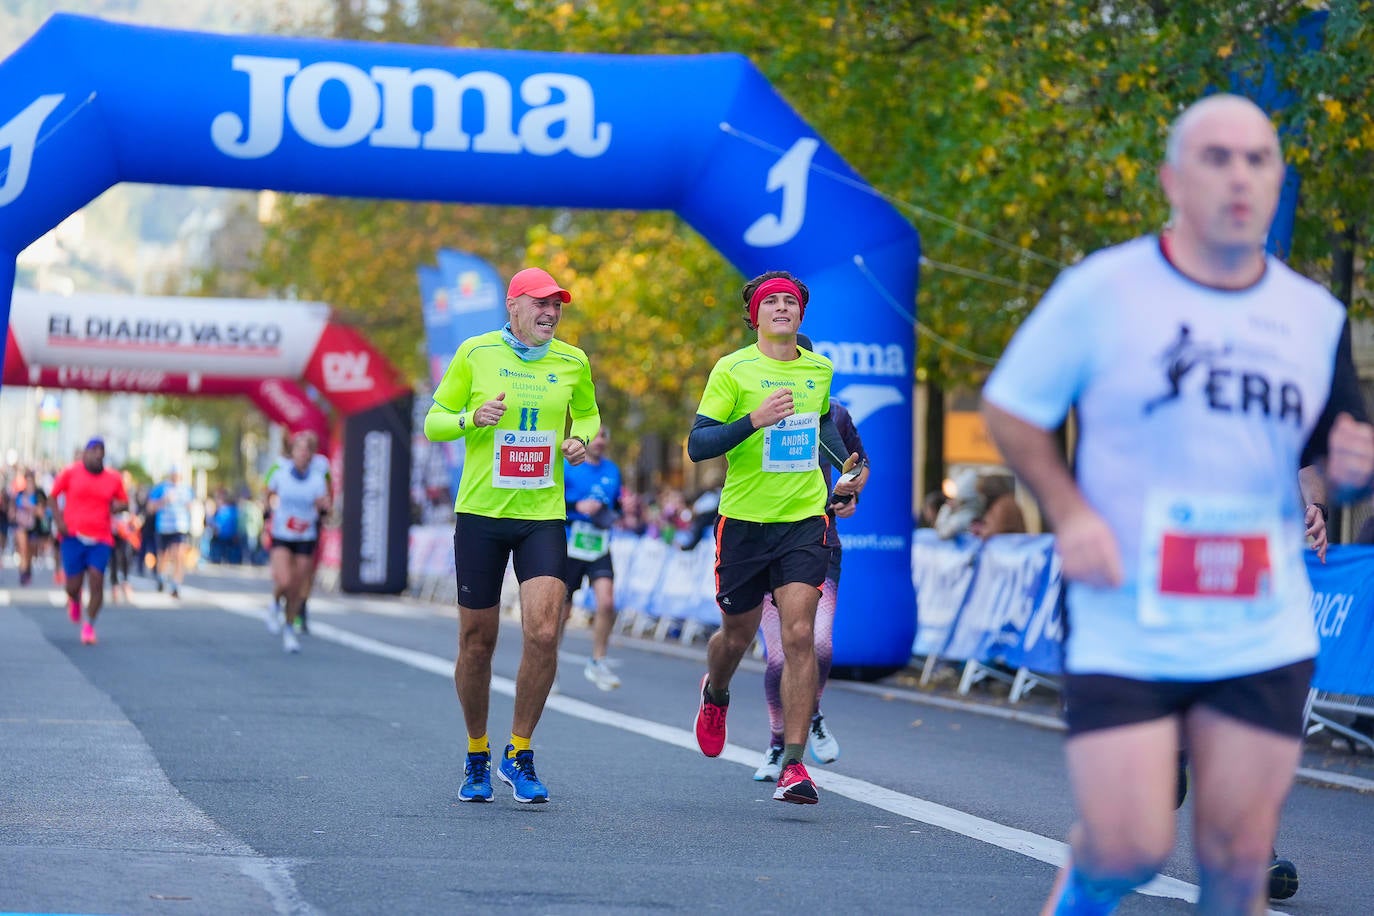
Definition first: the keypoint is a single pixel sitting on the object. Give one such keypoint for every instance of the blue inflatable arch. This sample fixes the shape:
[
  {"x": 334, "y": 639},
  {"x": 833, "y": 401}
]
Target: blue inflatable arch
[{"x": 87, "y": 103}]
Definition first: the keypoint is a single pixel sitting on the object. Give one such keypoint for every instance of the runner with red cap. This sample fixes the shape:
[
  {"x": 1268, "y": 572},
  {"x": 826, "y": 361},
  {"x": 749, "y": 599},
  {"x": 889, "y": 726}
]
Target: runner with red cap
[
  {"x": 509, "y": 395},
  {"x": 767, "y": 409},
  {"x": 85, "y": 521}
]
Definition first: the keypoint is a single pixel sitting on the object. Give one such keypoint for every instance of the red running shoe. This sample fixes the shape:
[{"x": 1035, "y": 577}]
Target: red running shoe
[
  {"x": 795, "y": 786},
  {"x": 710, "y": 725},
  {"x": 74, "y": 610}
]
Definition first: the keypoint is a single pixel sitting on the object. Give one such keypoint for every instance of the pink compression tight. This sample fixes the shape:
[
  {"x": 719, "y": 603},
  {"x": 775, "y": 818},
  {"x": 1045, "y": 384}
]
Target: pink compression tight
[{"x": 771, "y": 628}]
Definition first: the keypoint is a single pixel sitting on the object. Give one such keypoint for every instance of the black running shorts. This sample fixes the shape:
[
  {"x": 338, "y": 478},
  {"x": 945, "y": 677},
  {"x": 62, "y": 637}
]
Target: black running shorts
[
  {"x": 753, "y": 558},
  {"x": 1272, "y": 700},
  {"x": 591, "y": 570},
  {"x": 482, "y": 546},
  {"x": 298, "y": 548}
]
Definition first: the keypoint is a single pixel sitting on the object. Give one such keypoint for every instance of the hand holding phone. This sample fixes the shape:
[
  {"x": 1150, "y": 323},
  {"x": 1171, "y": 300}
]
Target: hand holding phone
[{"x": 853, "y": 468}]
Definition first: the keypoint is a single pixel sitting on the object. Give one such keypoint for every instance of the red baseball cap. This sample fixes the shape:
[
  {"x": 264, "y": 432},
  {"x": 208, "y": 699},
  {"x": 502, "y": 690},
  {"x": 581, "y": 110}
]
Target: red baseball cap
[{"x": 537, "y": 283}]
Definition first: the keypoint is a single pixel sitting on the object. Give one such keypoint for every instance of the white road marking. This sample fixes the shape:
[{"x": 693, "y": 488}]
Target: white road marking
[{"x": 1023, "y": 842}]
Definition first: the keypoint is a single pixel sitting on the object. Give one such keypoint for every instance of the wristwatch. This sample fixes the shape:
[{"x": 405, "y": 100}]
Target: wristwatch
[
  {"x": 1321, "y": 507},
  {"x": 463, "y": 420}
]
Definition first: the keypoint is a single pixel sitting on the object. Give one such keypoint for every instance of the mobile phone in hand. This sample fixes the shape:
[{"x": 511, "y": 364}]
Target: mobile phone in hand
[{"x": 849, "y": 475}]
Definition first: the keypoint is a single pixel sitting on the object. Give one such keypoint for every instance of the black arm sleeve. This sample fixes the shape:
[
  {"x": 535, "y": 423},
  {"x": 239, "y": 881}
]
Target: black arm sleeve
[
  {"x": 833, "y": 449},
  {"x": 1345, "y": 397},
  {"x": 711, "y": 438}
]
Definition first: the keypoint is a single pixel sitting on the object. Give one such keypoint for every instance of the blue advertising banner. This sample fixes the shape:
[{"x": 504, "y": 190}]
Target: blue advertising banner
[
  {"x": 462, "y": 297},
  {"x": 942, "y": 572},
  {"x": 1267, "y": 94},
  {"x": 1017, "y": 589},
  {"x": 475, "y": 295},
  {"x": 1343, "y": 607},
  {"x": 438, "y": 351},
  {"x": 1009, "y": 594}
]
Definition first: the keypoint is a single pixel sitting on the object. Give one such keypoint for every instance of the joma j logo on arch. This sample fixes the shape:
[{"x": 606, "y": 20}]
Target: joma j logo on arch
[
  {"x": 560, "y": 118},
  {"x": 20, "y": 137}
]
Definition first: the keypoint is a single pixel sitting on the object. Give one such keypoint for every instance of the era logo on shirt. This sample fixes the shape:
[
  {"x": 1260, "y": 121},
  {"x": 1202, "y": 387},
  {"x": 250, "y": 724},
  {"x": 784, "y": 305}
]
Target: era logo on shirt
[
  {"x": 346, "y": 372},
  {"x": 1225, "y": 389}
]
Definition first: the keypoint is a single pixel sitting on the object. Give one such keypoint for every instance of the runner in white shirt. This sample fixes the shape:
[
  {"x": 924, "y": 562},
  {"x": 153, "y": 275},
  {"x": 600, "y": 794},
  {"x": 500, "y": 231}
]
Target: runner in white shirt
[
  {"x": 1204, "y": 374},
  {"x": 300, "y": 496}
]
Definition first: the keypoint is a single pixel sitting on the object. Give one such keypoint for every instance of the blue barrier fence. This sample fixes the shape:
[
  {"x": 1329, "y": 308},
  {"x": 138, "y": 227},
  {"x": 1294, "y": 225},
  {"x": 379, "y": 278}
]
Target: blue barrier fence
[
  {"x": 992, "y": 606},
  {"x": 996, "y": 605}
]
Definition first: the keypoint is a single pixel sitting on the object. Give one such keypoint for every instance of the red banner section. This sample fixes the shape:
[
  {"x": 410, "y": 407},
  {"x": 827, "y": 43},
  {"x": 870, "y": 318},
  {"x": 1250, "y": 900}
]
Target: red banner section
[{"x": 350, "y": 373}]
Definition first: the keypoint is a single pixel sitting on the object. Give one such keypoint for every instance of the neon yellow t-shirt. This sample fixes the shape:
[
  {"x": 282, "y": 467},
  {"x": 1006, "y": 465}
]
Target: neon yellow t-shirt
[
  {"x": 515, "y": 468},
  {"x": 774, "y": 475}
]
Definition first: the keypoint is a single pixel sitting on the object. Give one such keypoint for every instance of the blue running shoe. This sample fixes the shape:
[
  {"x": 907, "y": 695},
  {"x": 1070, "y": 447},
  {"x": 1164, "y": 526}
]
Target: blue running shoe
[
  {"x": 518, "y": 773},
  {"x": 477, "y": 778}
]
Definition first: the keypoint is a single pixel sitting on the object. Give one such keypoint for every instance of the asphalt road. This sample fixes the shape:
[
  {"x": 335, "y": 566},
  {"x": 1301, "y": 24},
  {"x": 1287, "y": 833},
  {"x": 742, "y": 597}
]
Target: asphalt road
[{"x": 187, "y": 765}]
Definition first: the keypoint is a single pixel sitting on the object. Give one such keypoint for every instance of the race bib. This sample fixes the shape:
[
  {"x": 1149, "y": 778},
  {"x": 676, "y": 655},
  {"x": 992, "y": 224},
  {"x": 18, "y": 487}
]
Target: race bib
[
  {"x": 523, "y": 460},
  {"x": 793, "y": 444},
  {"x": 587, "y": 542},
  {"x": 1208, "y": 561}
]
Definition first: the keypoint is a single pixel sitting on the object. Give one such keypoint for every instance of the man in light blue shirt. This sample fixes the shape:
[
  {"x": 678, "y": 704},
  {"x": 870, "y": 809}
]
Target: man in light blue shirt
[{"x": 171, "y": 500}]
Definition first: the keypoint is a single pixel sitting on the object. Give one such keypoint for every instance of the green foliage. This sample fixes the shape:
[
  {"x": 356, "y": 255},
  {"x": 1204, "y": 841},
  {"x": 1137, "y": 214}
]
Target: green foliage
[
  {"x": 1016, "y": 136},
  {"x": 238, "y": 422}
]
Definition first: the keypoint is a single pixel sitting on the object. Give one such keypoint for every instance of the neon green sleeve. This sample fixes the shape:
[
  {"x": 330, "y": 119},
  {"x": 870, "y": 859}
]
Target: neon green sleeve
[
  {"x": 447, "y": 419},
  {"x": 721, "y": 396},
  {"x": 586, "y": 417},
  {"x": 442, "y": 425}
]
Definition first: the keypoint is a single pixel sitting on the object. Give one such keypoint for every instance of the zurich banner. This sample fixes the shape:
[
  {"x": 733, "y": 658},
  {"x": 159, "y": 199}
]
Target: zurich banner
[
  {"x": 1343, "y": 606},
  {"x": 85, "y": 104}
]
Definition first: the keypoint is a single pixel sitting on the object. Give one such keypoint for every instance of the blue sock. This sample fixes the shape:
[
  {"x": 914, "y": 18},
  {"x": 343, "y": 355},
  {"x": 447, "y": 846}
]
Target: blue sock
[{"x": 1084, "y": 896}]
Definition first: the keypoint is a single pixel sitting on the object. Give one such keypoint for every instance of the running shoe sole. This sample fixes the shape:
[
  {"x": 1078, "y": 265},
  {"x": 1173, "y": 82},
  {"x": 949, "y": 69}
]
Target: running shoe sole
[
  {"x": 537, "y": 800},
  {"x": 801, "y": 793}
]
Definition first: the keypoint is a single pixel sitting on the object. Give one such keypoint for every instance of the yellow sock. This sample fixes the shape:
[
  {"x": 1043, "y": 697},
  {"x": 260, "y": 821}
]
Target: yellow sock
[
  {"x": 518, "y": 744},
  {"x": 479, "y": 745}
]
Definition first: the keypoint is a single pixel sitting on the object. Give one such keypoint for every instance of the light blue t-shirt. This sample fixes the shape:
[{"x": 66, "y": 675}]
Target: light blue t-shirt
[{"x": 174, "y": 515}]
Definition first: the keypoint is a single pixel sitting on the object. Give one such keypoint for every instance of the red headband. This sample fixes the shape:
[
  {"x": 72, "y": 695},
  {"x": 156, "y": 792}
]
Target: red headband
[{"x": 767, "y": 288}]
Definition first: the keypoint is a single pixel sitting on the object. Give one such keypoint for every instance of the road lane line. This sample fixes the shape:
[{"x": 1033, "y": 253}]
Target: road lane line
[{"x": 1023, "y": 842}]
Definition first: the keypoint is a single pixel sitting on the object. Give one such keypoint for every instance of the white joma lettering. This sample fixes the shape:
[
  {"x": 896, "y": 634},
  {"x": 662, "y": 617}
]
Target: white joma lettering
[
  {"x": 381, "y": 110},
  {"x": 864, "y": 358},
  {"x": 20, "y": 137}
]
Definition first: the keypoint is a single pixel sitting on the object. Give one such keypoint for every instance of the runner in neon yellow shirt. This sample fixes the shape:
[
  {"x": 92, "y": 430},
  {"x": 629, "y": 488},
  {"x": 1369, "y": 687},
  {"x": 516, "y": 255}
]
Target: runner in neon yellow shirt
[
  {"x": 767, "y": 409},
  {"x": 509, "y": 395}
]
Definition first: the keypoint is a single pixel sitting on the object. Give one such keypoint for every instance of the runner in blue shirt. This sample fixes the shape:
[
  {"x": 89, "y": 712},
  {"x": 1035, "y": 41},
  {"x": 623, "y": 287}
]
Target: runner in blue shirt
[{"x": 592, "y": 492}]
